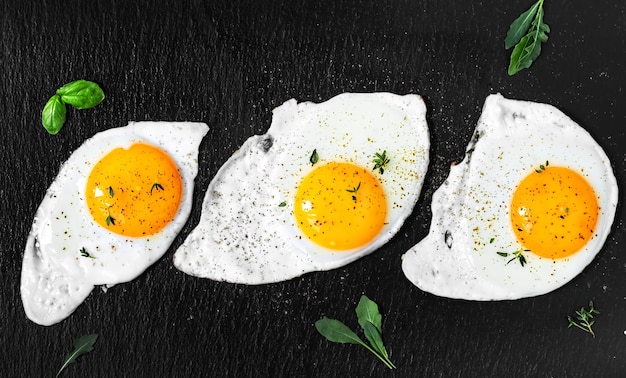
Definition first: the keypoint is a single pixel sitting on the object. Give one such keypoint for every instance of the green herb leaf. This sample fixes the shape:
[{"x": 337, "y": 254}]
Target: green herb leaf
[
  {"x": 82, "y": 345},
  {"x": 370, "y": 321},
  {"x": 110, "y": 220},
  {"x": 381, "y": 161},
  {"x": 354, "y": 190},
  {"x": 53, "y": 115},
  {"x": 542, "y": 167},
  {"x": 520, "y": 26},
  {"x": 81, "y": 94},
  {"x": 282, "y": 204},
  {"x": 156, "y": 186},
  {"x": 314, "y": 157},
  {"x": 84, "y": 253},
  {"x": 337, "y": 332},
  {"x": 367, "y": 312},
  {"x": 111, "y": 193},
  {"x": 376, "y": 340},
  {"x": 584, "y": 319},
  {"x": 522, "y": 259},
  {"x": 517, "y": 255},
  {"x": 528, "y": 46}
]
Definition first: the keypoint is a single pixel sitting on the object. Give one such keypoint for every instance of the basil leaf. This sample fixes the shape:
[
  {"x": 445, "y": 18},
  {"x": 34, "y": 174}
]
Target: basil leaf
[
  {"x": 337, "y": 332},
  {"x": 520, "y": 26},
  {"x": 367, "y": 312},
  {"x": 82, "y": 345},
  {"x": 81, "y": 94},
  {"x": 53, "y": 115}
]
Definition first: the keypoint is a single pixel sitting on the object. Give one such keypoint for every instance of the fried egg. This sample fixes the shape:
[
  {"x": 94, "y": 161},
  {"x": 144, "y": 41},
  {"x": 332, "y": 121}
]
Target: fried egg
[
  {"x": 327, "y": 184},
  {"x": 527, "y": 209},
  {"x": 115, "y": 207}
]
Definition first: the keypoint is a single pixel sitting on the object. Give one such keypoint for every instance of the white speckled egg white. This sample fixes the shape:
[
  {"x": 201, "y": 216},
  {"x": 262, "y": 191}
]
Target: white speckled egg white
[
  {"x": 467, "y": 251},
  {"x": 56, "y": 277},
  {"x": 246, "y": 236}
]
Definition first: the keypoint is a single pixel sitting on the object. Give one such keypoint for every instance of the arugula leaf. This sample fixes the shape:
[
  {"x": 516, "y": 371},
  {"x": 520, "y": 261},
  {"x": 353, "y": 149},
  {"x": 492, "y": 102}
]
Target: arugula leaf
[
  {"x": 81, "y": 94},
  {"x": 367, "y": 311},
  {"x": 53, "y": 115},
  {"x": 520, "y": 26},
  {"x": 370, "y": 321},
  {"x": 337, "y": 332},
  {"x": 82, "y": 345},
  {"x": 527, "y": 33},
  {"x": 375, "y": 338}
]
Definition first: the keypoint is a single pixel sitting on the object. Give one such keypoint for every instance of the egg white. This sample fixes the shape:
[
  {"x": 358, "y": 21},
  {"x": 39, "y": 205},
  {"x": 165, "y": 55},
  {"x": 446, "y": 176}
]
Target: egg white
[
  {"x": 244, "y": 236},
  {"x": 470, "y": 211},
  {"x": 56, "y": 278}
]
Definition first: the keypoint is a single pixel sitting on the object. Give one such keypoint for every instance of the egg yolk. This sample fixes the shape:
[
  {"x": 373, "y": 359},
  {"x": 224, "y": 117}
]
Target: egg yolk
[
  {"x": 554, "y": 212},
  {"x": 340, "y": 206},
  {"x": 135, "y": 191}
]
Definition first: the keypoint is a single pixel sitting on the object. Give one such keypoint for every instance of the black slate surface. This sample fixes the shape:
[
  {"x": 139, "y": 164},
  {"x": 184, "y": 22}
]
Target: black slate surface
[{"x": 228, "y": 63}]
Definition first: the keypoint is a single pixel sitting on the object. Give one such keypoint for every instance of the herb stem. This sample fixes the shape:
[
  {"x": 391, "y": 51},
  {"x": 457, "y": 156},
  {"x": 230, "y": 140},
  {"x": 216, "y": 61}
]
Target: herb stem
[
  {"x": 584, "y": 316},
  {"x": 388, "y": 363},
  {"x": 586, "y": 328}
]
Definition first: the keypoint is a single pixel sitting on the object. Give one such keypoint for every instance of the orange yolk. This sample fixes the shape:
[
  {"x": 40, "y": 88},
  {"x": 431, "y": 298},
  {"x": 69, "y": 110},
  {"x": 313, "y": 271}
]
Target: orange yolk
[
  {"x": 340, "y": 206},
  {"x": 554, "y": 212},
  {"x": 135, "y": 191}
]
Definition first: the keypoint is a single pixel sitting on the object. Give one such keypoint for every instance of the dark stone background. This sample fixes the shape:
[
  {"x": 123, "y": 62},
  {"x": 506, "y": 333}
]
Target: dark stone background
[{"x": 228, "y": 63}]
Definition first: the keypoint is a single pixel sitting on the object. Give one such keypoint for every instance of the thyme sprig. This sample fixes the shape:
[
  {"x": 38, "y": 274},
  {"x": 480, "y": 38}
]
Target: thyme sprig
[
  {"x": 156, "y": 186},
  {"x": 542, "y": 167},
  {"x": 381, "y": 161},
  {"x": 354, "y": 191},
  {"x": 84, "y": 253},
  {"x": 584, "y": 319},
  {"x": 517, "y": 255}
]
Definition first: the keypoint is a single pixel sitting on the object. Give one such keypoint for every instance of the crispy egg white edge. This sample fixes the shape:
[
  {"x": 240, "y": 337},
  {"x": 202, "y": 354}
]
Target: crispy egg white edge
[
  {"x": 434, "y": 268},
  {"x": 45, "y": 276},
  {"x": 201, "y": 254}
]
